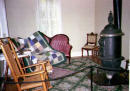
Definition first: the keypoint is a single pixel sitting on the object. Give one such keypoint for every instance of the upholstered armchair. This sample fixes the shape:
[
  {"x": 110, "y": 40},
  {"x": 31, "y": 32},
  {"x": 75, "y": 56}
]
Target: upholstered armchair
[
  {"x": 60, "y": 42},
  {"x": 91, "y": 43}
]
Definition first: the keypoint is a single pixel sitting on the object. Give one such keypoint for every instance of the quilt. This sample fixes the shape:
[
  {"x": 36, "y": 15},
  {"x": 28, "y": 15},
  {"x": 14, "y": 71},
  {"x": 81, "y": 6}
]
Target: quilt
[{"x": 43, "y": 51}]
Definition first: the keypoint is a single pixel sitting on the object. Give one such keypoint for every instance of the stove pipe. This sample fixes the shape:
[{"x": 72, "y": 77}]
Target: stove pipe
[{"x": 117, "y": 8}]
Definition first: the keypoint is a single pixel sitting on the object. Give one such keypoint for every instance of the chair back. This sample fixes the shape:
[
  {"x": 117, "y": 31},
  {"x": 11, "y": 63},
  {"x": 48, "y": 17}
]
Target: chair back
[
  {"x": 59, "y": 42},
  {"x": 10, "y": 58},
  {"x": 91, "y": 38}
]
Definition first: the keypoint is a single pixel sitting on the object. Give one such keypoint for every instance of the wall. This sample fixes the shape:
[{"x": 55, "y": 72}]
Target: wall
[
  {"x": 102, "y": 9},
  {"x": 21, "y": 17},
  {"x": 78, "y": 20},
  {"x": 3, "y": 21},
  {"x": 126, "y": 28}
]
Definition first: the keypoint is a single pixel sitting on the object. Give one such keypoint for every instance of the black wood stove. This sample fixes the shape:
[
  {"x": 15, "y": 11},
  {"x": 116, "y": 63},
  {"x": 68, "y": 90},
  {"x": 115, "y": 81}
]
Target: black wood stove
[
  {"x": 110, "y": 45},
  {"x": 111, "y": 42},
  {"x": 111, "y": 39}
]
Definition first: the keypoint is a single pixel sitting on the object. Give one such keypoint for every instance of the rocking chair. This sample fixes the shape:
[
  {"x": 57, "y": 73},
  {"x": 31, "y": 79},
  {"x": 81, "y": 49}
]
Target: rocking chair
[{"x": 18, "y": 72}]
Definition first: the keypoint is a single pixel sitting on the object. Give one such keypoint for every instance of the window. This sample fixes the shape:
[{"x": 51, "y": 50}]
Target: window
[
  {"x": 49, "y": 17},
  {"x": 3, "y": 22}
]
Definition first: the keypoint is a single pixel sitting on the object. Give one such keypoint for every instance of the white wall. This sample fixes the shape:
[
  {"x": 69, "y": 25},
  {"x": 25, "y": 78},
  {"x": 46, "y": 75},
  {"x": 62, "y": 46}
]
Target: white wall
[
  {"x": 102, "y": 9},
  {"x": 126, "y": 28},
  {"x": 21, "y": 17},
  {"x": 78, "y": 20}
]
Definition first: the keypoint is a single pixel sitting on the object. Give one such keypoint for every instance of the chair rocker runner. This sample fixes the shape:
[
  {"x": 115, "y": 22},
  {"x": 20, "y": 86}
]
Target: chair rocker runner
[{"x": 18, "y": 72}]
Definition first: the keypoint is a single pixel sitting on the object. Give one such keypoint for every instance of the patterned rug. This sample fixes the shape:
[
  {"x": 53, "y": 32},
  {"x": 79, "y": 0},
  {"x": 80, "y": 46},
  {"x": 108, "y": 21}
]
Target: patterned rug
[
  {"x": 80, "y": 81},
  {"x": 59, "y": 72}
]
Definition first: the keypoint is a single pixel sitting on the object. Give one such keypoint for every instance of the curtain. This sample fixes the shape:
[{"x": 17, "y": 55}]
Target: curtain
[
  {"x": 49, "y": 17},
  {"x": 3, "y": 21},
  {"x": 3, "y": 33}
]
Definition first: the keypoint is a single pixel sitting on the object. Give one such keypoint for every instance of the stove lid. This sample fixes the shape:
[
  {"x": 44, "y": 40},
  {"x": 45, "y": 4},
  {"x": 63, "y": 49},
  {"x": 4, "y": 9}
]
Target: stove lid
[{"x": 111, "y": 30}]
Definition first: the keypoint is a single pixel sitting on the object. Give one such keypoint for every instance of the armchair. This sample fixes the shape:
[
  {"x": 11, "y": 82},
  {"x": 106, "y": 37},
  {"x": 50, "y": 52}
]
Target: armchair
[{"x": 60, "y": 42}]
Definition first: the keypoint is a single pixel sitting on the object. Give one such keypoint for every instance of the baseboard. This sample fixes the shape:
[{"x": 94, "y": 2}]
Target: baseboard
[{"x": 77, "y": 54}]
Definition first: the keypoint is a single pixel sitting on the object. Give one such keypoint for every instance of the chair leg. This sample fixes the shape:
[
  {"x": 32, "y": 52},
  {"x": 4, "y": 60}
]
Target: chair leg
[
  {"x": 93, "y": 52},
  {"x": 6, "y": 77},
  {"x": 47, "y": 78},
  {"x": 44, "y": 83},
  {"x": 82, "y": 52},
  {"x": 43, "y": 77},
  {"x": 87, "y": 52},
  {"x": 48, "y": 82},
  {"x": 68, "y": 59}
]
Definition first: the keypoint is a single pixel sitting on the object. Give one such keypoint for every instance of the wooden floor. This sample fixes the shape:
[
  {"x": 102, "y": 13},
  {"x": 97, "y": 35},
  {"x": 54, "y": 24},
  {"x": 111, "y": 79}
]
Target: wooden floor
[{"x": 12, "y": 87}]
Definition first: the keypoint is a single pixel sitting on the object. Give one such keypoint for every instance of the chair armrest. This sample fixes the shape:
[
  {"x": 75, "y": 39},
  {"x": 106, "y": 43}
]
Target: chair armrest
[
  {"x": 45, "y": 69},
  {"x": 32, "y": 73},
  {"x": 68, "y": 49},
  {"x": 41, "y": 63}
]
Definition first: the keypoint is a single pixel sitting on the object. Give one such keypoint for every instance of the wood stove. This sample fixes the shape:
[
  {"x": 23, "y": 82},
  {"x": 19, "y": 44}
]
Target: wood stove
[
  {"x": 110, "y": 45},
  {"x": 111, "y": 39},
  {"x": 110, "y": 48}
]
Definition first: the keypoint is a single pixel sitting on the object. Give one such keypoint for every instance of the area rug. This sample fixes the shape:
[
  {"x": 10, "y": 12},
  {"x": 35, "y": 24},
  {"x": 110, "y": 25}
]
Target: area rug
[
  {"x": 79, "y": 81},
  {"x": 59, "y": 72}
]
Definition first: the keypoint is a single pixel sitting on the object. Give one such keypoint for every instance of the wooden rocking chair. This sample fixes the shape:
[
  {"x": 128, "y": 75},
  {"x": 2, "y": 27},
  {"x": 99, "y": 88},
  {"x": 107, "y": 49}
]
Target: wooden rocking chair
[{"x": 18, "y": 72}]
